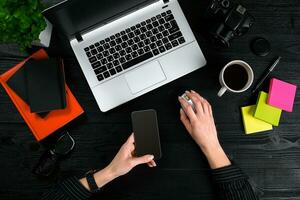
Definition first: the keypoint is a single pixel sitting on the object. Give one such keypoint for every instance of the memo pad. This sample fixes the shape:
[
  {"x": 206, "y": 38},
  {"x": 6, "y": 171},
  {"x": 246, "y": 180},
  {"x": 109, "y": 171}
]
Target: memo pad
[
  {"x": 266, "y": 112},
  {"x": 282, "y": 95},
  {"x": 251, "y": 124}
]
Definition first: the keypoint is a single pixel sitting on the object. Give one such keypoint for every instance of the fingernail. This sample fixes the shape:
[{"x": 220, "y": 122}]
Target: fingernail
[
  {"x": 181, "y": 111},
  {"x": 193, "y": 91},
  {"x": 187, "y": 92},
  {"x": 179, "y": 97}
]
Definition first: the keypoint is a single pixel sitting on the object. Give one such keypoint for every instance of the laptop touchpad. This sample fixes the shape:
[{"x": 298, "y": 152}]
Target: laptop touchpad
[{"x": 145, "y": 76}]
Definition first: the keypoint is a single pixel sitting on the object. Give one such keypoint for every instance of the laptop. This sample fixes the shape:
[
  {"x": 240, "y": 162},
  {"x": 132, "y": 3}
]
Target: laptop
[{"x": 127, "y": 48}]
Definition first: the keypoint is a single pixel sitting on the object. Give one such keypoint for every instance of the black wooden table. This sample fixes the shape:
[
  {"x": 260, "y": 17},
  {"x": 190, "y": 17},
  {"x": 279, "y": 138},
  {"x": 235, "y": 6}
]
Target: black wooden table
[{"x": 271, "y": 159}]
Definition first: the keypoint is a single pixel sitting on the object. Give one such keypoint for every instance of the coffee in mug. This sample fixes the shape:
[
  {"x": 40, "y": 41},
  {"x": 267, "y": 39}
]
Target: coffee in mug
[{"x": 237, "y": 76}]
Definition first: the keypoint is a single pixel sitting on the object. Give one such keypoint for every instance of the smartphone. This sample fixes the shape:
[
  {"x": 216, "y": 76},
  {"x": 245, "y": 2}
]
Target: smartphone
[{"x": 146, "y": 133}]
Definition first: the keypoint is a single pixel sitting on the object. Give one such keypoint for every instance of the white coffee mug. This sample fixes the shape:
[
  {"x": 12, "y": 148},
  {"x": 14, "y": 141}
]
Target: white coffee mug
[{"x": 247, "y": 85}]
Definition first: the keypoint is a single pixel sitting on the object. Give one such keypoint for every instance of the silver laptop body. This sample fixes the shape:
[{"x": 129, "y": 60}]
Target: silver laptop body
[{"x": 114, "y": 83}]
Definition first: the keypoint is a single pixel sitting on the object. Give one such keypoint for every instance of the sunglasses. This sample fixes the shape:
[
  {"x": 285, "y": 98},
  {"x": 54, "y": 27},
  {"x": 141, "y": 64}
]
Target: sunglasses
[{"x": 49, "y": 161}]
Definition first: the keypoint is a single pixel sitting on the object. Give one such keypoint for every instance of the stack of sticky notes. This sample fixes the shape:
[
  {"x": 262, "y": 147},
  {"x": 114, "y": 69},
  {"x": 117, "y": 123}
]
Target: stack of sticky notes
[{"x": 267, "y": 111}]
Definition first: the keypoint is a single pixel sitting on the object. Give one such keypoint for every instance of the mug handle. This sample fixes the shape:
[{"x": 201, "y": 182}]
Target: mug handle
[{"x": 222, "y": 91}]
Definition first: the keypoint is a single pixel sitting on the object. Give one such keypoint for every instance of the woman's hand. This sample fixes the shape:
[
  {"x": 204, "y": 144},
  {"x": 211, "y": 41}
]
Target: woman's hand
[
  {"x": 123, "y": 162},
  {"x": 201, "y": 126}
]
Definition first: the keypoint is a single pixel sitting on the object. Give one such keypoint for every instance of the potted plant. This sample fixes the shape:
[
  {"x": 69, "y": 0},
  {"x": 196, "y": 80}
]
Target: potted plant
[{"x": 21, "y": 22}]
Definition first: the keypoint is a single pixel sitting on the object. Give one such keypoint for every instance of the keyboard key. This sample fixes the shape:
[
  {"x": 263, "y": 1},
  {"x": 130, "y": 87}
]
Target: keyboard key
[
  {"x": 155, "y": 31},
  {"x": 112, "y": 51},
  {"x": 124, "y": 45},
  {"x": 100, "y": 49},
  {"x": 99, "y": 56},
  {"x": 118, "y": 40},
  {"x": 100, "y": 77},
  {"x": 128, "y": 57},
  {"x": 130, "y": 42},
  {"x": 118, "y": 48},
  {"x": 165, "y": 33},
  {"x": 153, "y": 19},
  {"x": 143, "y": 29},
  {"x": 141, "y": 44},
  {"x": 153, "y": 46},
  {"x": 175, "y": 36},
  {"x": 138, "y": 26},
  {"x": 131, "y": 35},
  {"x": 110, "y": 58},
  {"x": 119, "y": 69},
  {"x": 159, "y": 43},
  {"x": 94, "y": 51},
  {"x": 137, "y": 60},
  {"x": 140, "y": 51},
  {"x": 123, "y": 32},
  {"x": 116, "y": 55},
  {"x": 86, "y": 49},
  {"x": 125, "y": 38},
  {"x": 135, "y": 47},
  {"x": 169, "y": 12},
  {"x": 107, "y": 39},
  {"x": 122, "y": 60},
  {"x": 147, "y": 48},
  {"x": 128, "y": 30},
  {"x": 155, "y": 24},
  {"x": 102, "y": 42},
  {"x": 175, "y": 43},
  {"x": 116, "y": 62},
  {"x": 155, "y": 52},
  {"x": 161, "y": 28},
  {"x": 168, "y": 46},
  {"x": 173, "y": 29},
  {"x": 92, "y": 59},
  {"x": 136, "y": 39},
  {"x": 133, "y": 28},
  {"x": 112, "y": 37},
  {"x": 92, "y": 46},
  {"x": 165, "y": 40},
  {"x": 162, "y": 49},
  {"x": 112, "y": 72},
  {"x": 122, "y": 52},
  {"x": 97, "y": 44},
  {"x": 158, "y": 16},
  {"x": 105, "y": 53},
  {"x": 153, "y": 39},
  {"x": 113, "y": 43},
  {"x": 118, "y": 35},
  {"x": 163, "y": 14},
  {"x": 148, "y": 21},
  {"x": 149, "y": 26},
  {"x": 128, "y": 50},
  {"x": 149, "y": 34},
  {"x": 167, "y": 25},
  {"x": 137, "y": 32},
  {"x": 169, "y": 17},
  {"x": 134, "y": 54},
  {"x": 88, "y": 54},
  {"x": 106, "y": 74},
  {"x": 96, "y": 64},
  {"x": 109, "y": 65},
  {"x": 104, "y": 61},
  {"x": 147, "y": 41},
  {"x": 181, "y": 40},
  {"x": 143, "y": 23},
  {"x": 106, "y": 46},
  {"x": 100, "y": 70},
  {"x": 161, "y": 21}
]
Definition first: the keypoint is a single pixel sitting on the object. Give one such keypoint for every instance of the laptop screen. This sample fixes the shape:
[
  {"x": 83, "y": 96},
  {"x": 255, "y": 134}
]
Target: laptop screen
[{"x": 74, "y": 16}]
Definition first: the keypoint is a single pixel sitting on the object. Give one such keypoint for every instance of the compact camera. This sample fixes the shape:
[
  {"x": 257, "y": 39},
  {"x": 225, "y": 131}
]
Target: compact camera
[{"x": 230, "y": 20}]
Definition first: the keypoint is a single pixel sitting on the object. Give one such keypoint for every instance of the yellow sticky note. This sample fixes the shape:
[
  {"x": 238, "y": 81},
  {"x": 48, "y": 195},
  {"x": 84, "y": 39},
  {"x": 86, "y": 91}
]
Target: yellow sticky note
[{"x": 252, "y": 124}]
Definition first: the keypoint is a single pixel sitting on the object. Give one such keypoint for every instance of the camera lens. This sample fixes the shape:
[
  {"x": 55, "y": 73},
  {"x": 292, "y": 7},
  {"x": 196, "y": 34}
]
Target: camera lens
[{"x": 225, "y": 3}]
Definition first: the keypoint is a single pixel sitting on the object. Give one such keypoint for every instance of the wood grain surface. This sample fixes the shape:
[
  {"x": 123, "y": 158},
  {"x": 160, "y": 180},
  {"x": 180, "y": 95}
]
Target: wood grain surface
[{"x": 271, "y": 159}]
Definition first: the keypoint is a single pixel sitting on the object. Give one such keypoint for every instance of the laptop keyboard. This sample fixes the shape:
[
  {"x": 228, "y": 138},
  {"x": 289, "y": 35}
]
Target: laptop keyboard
[{"x": 134, "y": 45}]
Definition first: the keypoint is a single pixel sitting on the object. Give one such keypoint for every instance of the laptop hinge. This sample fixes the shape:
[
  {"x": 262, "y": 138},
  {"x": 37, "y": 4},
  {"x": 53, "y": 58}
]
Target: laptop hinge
[
  {"x": 78, "y": 37},
  {"x": 166, "y": 1}
]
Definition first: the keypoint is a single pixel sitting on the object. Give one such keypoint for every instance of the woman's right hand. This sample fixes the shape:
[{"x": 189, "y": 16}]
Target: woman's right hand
[{"x": 201, "y": 126}]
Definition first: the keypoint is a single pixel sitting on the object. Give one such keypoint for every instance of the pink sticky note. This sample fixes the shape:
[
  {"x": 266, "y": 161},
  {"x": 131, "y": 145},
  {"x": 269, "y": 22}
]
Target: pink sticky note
[{"x": 282, "y": 95}]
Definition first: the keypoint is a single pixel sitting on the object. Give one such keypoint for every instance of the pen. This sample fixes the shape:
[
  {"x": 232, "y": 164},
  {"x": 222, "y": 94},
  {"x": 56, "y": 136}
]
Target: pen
[{"x": 267, "y": 74}]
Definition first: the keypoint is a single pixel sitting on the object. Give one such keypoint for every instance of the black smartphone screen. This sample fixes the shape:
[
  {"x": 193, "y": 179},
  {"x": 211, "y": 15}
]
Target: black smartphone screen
[{"x": 146, "y": 133}]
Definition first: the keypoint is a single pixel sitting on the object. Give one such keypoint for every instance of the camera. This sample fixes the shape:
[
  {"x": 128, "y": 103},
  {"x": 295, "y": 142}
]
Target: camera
[{"x": 229, "y": 20}]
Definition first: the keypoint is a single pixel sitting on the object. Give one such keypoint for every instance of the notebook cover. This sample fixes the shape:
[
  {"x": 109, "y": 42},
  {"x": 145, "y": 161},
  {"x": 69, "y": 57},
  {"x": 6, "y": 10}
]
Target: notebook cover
[
  {"x": 43, "y": 79},
  {"x": 266, "y": 112},
  {"x": 251, "y": 124},
  {"x": 282, "y": 95},
  {"x": 42, "y": 127}
]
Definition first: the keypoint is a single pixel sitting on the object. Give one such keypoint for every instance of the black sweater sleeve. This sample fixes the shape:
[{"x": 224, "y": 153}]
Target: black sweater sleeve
[{"x": 233, "y": 184}]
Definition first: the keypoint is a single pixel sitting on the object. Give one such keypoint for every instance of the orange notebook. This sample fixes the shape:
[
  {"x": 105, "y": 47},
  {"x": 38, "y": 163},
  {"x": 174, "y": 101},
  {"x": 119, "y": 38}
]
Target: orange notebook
[{"x": 42, "y": 127}]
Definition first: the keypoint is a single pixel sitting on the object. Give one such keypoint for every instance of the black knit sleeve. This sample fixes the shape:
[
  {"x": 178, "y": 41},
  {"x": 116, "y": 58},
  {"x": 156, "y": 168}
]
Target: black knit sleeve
[
  {"x": 67, "y": 190},
  {"x": 233, "y": 184}
]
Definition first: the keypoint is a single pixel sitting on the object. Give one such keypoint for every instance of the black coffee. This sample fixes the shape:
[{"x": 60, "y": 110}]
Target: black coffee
[{"x": 235, "y": 77}]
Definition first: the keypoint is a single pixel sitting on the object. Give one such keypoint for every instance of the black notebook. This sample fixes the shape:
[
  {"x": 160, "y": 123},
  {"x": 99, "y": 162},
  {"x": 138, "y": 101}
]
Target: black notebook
[{"x": 41, "y": 84}]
